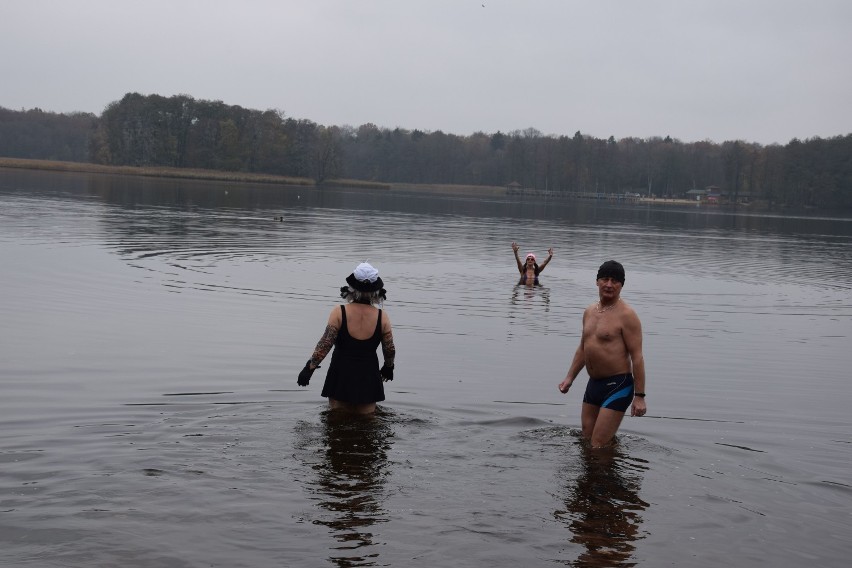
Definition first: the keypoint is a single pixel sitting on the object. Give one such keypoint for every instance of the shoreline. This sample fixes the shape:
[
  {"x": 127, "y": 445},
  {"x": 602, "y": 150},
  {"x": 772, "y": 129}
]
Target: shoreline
[
  {"x": 270, "y": 179},
  {"x": 217, "y": 175},
  {"x": 157, "y": 172}
]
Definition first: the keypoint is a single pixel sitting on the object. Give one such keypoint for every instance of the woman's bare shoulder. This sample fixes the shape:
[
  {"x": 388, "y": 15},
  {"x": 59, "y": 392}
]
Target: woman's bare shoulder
[{"x": 335, "y": 317}]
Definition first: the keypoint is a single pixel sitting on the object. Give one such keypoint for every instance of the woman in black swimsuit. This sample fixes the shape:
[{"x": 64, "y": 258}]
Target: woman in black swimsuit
[
  {"x": 529, "y": 269},
  {"x": 355, "y": 330}
]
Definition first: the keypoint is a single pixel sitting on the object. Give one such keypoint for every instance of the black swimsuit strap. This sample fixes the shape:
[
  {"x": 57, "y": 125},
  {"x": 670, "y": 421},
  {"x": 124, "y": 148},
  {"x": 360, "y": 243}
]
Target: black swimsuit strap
[{"x": 379, "y": 323}]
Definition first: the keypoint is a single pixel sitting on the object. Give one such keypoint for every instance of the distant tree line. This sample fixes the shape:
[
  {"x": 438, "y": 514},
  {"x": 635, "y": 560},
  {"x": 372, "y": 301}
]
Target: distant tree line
[
  {"x": 180, "y": 131},
  {"x": 39, "y": 135}
]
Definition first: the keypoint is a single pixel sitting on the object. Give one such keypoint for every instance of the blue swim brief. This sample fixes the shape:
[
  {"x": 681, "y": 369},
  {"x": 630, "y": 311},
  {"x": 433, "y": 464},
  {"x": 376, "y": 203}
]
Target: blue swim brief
[{"x": 615, "y": 393}]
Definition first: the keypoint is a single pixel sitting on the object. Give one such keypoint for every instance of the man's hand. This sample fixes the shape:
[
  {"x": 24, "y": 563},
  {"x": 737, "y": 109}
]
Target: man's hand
[{"x": 638, "y": 408}]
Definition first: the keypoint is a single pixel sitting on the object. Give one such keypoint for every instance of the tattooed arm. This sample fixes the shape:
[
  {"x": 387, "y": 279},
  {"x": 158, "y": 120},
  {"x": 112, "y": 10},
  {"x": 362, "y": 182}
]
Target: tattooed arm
[
  {"x": 324, "y": 345},
  {"x": 328, "y": 338},
  {"x": 388, "y": 348}
]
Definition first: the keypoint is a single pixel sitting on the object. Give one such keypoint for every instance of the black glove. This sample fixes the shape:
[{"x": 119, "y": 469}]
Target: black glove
[
  {"x": 305, "y": 374},
  {"x": 387, "y": 372}
]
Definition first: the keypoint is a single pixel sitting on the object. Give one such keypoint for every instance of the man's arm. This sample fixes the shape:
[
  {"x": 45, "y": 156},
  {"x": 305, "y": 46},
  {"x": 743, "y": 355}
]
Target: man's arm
[
  {"x": 577, "y": 364},
  {"x": 632, "y": 333}
]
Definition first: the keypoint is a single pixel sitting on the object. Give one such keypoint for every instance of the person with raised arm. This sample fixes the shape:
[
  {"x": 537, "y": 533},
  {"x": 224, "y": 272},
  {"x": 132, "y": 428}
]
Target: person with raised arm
[{"x": 530, "y": 269}]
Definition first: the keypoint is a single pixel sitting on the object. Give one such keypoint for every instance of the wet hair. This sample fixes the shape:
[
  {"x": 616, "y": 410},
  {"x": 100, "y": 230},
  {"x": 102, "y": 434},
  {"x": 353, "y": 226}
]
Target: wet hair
[
  {"x": 611, "y": 269},
  {"x": 354, "y": 296}
]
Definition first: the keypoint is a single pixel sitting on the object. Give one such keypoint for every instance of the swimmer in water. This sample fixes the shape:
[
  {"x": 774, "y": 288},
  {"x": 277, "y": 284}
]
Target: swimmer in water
[{"x": 530, "y": 269}]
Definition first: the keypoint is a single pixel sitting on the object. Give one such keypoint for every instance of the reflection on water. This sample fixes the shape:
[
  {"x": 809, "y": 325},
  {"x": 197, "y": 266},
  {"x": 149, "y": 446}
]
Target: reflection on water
[
  {"x": 349, "y": 483},
  {"x": 526, "y": 296},
  {"x": 603, "y": 509}
]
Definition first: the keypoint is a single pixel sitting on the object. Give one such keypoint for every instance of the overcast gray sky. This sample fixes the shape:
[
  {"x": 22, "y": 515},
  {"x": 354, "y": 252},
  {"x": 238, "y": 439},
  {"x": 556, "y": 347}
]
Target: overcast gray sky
[{"x": 757, "y": 70}]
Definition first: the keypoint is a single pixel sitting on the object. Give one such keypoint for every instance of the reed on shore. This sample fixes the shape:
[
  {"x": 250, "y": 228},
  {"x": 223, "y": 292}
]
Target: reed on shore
[{"x": 178, "y": 173}]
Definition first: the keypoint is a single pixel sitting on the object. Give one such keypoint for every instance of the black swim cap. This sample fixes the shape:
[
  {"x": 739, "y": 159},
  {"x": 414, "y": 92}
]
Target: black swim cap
[{"x": 611, "y": 269}]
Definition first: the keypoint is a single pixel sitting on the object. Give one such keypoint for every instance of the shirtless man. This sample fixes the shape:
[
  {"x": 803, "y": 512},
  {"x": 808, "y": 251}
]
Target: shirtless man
[{"x": 611, "y": 351}]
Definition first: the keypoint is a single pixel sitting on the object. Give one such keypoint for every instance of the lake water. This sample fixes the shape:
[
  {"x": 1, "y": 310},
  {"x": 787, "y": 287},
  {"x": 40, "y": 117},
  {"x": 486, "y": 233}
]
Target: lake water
[{"x": 152, "y": 331}]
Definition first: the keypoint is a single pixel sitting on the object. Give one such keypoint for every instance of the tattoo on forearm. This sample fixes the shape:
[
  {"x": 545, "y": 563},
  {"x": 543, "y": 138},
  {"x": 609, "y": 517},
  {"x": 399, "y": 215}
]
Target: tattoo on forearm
[
  {"x": 388, "y": 348},
  {"x": 325, "y": 344}
]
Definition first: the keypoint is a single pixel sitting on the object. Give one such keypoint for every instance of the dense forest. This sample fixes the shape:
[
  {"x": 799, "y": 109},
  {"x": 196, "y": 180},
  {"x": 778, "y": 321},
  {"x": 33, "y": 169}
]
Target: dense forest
[{"x": 183, "y": 132}]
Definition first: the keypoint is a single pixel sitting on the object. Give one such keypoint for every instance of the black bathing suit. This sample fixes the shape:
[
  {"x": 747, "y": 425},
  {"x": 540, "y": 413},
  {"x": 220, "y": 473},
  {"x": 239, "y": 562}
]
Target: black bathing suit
[
  {"x": 353, "y": 375},
  {"x": 524, "y": 278},
  {"x": 615, "y": 393}
]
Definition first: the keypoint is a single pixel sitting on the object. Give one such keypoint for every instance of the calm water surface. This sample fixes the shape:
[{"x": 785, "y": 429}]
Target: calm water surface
[{"x": 152, "y": 332}]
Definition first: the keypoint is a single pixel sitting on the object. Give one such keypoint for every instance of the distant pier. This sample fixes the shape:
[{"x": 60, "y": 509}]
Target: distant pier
[{"x": 589, "y": 195}]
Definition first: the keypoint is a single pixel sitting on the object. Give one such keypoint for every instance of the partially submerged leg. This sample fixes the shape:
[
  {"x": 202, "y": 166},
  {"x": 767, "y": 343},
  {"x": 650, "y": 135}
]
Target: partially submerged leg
[
  {"x": 605, "y": 427},
  {"x": 368, "y": 408},
  {"x": 588, "y": 417}
]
